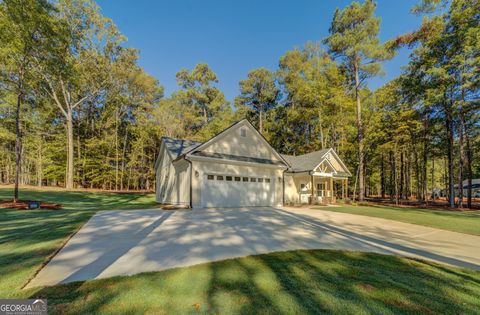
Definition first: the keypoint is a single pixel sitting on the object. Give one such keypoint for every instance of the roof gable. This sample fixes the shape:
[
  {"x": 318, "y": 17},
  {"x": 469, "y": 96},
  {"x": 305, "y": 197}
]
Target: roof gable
[
  {"x": 241, "y": 140},
  {"x": 325, "y": 167},
  {"x": 305, "y": 162},
  {"x": 311, "y": 161}
]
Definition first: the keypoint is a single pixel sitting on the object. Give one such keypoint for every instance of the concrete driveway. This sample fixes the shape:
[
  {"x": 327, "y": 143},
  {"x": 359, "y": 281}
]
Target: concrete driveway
[{"x": 128, "y": 242}]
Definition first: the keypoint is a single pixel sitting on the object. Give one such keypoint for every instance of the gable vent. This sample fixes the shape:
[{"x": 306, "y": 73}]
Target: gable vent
[{"x": 243, "y": 132}]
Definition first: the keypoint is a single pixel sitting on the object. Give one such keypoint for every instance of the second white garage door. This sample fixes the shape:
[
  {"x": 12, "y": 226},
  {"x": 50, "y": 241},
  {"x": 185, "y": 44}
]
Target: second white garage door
[{"x": 237, "y": 191}]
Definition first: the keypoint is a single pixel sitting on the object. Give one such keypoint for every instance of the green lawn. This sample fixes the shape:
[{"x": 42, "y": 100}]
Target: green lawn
[
  {"x": 28, "y": 238},
  {"x": 80, "y": 200},
  {"x": 463, "y": 222},
  {"x": 296, "y": 282}
]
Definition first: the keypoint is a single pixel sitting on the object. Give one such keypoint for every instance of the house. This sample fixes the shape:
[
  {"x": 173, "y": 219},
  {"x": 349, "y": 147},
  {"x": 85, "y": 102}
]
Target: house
[
  {"x": 238, "y": 167},
  {"x": 475, "y": 189}
]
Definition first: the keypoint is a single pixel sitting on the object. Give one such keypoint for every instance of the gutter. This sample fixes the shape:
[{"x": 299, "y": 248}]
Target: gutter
[
  {"x": 191, "y": 178},
  {"x": 283, "y": 187}
]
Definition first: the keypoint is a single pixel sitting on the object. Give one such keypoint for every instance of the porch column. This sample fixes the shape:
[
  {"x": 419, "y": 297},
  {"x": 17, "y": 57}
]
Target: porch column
[
  {"x": 331, "y": 189},
  {"x": 311, "y": 197},
  {"x": 343, "y": 189},
  {"x": 346, "y": 188}
]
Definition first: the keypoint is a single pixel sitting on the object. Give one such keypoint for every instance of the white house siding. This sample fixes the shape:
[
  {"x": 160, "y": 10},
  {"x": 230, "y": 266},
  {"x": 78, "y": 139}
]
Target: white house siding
[
  {"x": 201, "y": 169},
  {"x": 173, "y": 181},
  {"x": 252, "y": 145},
  {"x": 293, "y": 187},
  {"x": 291, "y": 192}
]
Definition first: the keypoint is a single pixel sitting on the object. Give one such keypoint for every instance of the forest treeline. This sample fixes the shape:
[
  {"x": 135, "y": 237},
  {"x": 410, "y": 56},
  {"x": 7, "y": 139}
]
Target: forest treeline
[{"x": 76, "y": 109}]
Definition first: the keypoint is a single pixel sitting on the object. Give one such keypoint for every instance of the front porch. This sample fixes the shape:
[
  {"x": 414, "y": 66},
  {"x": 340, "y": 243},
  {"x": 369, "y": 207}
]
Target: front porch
[{"x": 316, "y": 189}]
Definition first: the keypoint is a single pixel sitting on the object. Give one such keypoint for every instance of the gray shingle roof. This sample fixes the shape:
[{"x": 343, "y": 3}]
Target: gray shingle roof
[
  {"x": 238, "y": 158},
  {"x": 306, "y": 162},
  {"x": 177, "y": 147}
]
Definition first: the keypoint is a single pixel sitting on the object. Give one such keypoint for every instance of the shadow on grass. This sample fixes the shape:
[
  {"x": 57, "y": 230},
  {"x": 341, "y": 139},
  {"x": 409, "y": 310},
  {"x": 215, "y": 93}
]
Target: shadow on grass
[
  {"x": 27, "y": 239},
  {"x": 295, "y": 282}
]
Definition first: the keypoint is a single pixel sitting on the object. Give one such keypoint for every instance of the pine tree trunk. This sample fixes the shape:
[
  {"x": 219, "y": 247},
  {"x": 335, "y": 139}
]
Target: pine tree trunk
[
  {"x": 461, "y": 159},
  {"x": 451, "y": 188},
  {"x": 469, "y": 170},
  {"x": 424, "y": 166},
  {"x": 322, "y": 139},
  {"x": 39, "y": 163},
  {"x": 70, "y": 149},
  {"x": 433, "y": 179},
  {"x": 361, "y": 188},
  {"x": 402, "y": 175},
  {"x": 395, "y": 177},
  {"x": 122, "y": 175},
  {"x": 116, "y": 149},
  {"x": 261, "y": 122},
  {"x": 382, "y": 177},
  {"x": 18, "y": 142},
  {"x": 205, "y": 116},
  {"x": 417, "y": 176}
]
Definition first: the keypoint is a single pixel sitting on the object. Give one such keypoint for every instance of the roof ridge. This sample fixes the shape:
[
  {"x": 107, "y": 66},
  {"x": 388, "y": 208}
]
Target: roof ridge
[{"x": 180, "y": 139}]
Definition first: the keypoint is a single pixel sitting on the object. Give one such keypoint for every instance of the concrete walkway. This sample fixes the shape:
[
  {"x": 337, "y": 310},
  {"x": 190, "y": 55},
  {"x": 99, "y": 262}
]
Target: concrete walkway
[{"x": 128, "y": 242}]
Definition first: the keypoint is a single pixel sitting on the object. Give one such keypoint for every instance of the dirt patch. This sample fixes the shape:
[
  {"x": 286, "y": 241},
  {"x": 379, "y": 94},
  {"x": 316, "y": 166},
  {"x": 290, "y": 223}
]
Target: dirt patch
[
  {"x": 440, "y": 204},
  {"x": 173, "y": 207},
  {"x": 23, "y": 205}
]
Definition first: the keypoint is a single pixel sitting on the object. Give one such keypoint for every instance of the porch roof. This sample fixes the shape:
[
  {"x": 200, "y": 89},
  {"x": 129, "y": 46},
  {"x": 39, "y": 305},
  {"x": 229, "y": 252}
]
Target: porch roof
[
  {"x": 177, "y": 147},
  {"x": 305, "y": 162}
]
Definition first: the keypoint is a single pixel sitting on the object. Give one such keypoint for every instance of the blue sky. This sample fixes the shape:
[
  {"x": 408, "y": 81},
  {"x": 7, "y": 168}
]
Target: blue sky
[{"x": 234, "y": 37}]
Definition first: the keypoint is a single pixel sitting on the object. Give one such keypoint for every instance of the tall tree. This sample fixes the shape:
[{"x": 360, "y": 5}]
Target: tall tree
[
  {"x": 315, "y": 103},
  {"x": 198, "y": 88},
  {"x": 354, "y": 39},
  {"x": 24, "y": 29},
  {"x": 79, "y": 67},
  {"x": 259, "y": 93}
]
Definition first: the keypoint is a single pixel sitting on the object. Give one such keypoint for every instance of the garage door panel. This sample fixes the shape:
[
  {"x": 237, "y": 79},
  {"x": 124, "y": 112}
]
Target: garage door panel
[{"x": 222, "y": 193}]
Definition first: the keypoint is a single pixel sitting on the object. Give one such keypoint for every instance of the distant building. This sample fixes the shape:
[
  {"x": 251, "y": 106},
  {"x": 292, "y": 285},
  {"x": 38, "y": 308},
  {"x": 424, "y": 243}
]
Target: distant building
[{"x": 475, "y": 189}]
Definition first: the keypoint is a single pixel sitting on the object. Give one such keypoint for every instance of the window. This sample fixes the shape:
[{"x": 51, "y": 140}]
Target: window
[
  {"x": 253, "y": 179},
  {"x": 321, "y": 189},
  {"x": 260, "y": 180},
  {"x": 243, "y": 132},
  {"x": 229, "y": 178},
  {"x": 267, "y": 180},
  {"x": 237, "y": 179},
  {"x": 219, "y": 177},
  {"x": 245, "y": 179},
  {"x": 210, "y": 177},
  {"x": 303, "y": 186}
]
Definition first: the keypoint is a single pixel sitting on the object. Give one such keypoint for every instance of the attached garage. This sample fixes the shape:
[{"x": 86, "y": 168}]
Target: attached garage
[
  {"x": 220, "y": 190},
  {"x": 236, "y": 168}
]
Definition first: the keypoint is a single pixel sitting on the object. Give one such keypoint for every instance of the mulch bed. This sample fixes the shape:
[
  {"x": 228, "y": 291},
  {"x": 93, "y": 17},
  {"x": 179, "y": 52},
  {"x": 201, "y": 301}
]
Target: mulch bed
[{"x": 23, "y": 205}]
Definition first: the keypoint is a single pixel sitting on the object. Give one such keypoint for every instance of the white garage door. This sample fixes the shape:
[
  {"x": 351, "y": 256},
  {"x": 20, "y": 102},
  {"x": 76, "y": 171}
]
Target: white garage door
[{"x": 237, "y": 191}]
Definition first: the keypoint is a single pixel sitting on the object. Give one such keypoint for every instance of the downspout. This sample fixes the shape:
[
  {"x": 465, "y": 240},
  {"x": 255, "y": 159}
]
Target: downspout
[{"x": 191, "y": 179}]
